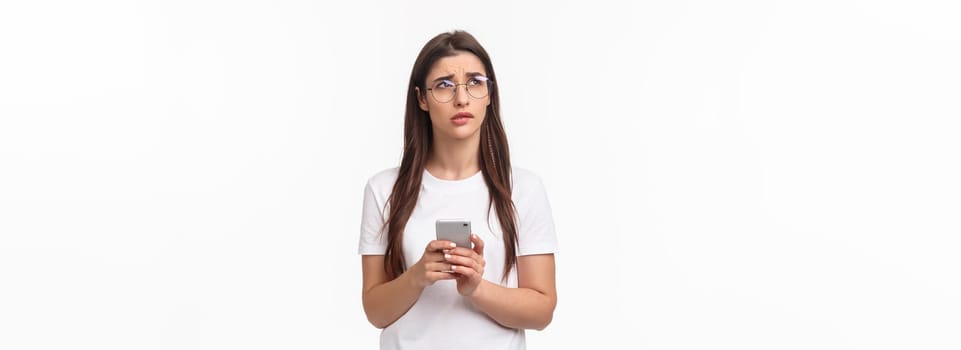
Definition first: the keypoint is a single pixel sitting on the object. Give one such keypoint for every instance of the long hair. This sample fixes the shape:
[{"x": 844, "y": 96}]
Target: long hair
[{"x": 493, "y": 152}]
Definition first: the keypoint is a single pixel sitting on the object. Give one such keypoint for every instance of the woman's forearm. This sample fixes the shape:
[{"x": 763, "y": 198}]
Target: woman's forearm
[
  {"x": 387, "y": 302},
  {"x": 522, "y": 308}
]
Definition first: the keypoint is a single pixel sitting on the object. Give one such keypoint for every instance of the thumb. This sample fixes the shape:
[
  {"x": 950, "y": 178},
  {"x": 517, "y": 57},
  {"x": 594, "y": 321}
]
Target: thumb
[{"x": 478, "y": 244}]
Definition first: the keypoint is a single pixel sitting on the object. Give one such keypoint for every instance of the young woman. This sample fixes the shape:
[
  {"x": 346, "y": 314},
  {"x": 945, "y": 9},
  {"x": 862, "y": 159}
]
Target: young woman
[{"x": 427, "y": 293}]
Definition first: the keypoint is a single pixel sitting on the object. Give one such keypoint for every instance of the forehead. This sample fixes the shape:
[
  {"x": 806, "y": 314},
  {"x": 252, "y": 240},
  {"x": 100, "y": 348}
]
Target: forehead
[{"x": 458, "y": 65}]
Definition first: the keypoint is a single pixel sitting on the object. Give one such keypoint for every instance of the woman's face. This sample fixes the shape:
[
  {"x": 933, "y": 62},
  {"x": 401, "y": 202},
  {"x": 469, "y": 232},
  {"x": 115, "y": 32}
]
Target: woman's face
[{"x": 454, "y": 83}]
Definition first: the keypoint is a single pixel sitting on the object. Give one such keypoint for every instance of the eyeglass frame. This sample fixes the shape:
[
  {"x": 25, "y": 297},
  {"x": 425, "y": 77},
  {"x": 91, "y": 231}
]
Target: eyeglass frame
[{"x": 488, "y": 81}]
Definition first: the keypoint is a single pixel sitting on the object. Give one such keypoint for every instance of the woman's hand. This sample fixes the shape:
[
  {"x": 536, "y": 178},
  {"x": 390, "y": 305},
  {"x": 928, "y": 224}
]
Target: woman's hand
[
  {"x": 467, "y": 265},
  {"x": 432, "y": 267}
]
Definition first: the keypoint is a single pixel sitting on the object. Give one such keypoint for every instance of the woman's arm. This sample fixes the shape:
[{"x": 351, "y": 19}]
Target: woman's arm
[
  {"x": 387, "y": 300},
  {"x": 530, "y": 305}
]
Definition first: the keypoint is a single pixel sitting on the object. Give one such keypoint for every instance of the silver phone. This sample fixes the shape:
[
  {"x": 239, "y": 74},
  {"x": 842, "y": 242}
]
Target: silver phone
[{"x": 454, "y": 230}]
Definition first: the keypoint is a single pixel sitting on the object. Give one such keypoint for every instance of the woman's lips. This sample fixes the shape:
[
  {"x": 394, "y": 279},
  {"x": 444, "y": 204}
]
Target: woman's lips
[{"x": 461, "y": 118}]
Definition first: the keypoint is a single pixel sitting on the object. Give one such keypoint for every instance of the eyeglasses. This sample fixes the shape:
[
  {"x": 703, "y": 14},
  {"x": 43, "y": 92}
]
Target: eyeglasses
[{"x": 477, "y": 87}]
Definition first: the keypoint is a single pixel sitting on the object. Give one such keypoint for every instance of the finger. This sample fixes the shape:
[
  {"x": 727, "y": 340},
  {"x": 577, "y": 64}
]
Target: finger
[
  {"x": 433, "y": 256},
  {"x": 436, "y": 276},
  {"x": 439, "y": 267},
  {"x": 468, "y": 254},
  {"x": 461, "y": 260},
  {"x": 439, "y": 244},
  {"x": 475, "y": 253},
  {"x": 465, "y": 271},
  {"x": 478, "y": 244},
  {"x": 465, "y": 266}
]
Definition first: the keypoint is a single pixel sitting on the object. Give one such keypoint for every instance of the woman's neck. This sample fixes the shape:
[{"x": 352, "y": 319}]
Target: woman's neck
[{"x": 454, "y": 159}]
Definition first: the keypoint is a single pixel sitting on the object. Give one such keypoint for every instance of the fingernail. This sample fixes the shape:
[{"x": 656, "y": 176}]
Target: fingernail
[
  {"x": 446, "y": 256},
  {"x": 452, "y": 244}
]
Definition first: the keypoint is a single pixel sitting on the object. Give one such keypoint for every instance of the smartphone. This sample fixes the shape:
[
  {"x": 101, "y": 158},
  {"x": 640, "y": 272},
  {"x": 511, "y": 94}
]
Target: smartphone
[{"x": 454, "y": 230}]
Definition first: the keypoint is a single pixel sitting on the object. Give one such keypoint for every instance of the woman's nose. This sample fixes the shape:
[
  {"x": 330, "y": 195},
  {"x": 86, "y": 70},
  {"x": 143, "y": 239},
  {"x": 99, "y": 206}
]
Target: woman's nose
[{"x": 460, "y": 96}]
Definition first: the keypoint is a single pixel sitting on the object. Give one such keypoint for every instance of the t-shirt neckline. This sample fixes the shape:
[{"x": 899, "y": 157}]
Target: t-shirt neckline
[{"x": 473, "y": 182}]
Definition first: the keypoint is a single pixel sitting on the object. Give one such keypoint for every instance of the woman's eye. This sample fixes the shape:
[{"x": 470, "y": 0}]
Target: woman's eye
[
  {"x": 477, "y": 80},
  {"x": 444, "y": 84}
]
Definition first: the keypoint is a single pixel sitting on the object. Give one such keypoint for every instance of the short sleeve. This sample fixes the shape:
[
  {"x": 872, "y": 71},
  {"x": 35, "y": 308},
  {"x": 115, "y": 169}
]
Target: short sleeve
[
  {"x": 535, "y": 221},
  {"x": 373, "y": 238}
]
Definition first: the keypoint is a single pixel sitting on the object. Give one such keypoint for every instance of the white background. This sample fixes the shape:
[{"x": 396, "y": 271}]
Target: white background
[{"x": 737, "y": 175}]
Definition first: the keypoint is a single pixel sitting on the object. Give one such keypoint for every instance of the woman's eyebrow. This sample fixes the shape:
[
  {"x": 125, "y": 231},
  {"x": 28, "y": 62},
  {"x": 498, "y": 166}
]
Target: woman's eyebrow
[
  {"x": 446, "y": 77},
  {"x": 451, "y": 76}
]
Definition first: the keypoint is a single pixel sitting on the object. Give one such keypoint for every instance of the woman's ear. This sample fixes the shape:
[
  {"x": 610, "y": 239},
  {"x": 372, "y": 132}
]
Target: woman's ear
[{"x": 421, "y": 100}]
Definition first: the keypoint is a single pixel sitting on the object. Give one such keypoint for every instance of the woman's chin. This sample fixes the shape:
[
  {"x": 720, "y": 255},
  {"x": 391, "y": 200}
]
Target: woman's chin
[{"x": 461, "y": 134}]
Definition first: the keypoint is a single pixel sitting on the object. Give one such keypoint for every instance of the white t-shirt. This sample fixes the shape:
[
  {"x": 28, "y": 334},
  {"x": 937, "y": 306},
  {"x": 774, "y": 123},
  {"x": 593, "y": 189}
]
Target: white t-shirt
[{"x": 441, "y": 318}]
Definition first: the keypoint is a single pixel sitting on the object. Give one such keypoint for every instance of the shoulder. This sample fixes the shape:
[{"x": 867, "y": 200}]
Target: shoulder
[
  {"x": 525, "y": 181},
  {"x": 383, "y": 181}
]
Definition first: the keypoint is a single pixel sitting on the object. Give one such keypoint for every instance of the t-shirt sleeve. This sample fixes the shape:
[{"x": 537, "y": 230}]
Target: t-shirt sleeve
[
  {"x": 373, "y": 237},
  {"x": 535, "y": 222}
]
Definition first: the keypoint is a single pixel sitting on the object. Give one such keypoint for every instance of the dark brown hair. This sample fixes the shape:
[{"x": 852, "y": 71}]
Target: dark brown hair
[{"x": 493, "y": 153}]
